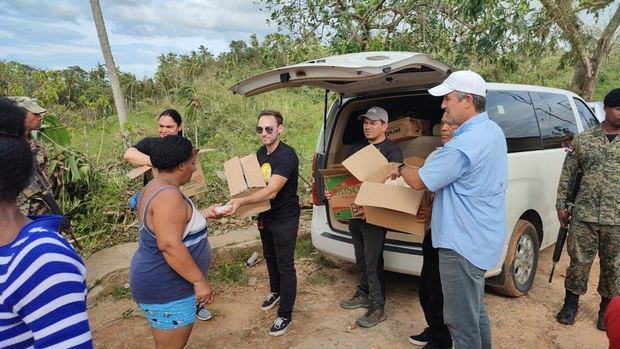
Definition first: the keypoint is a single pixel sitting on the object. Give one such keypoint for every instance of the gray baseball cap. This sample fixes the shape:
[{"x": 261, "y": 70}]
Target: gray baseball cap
[
  {"x": 375, "y": 113},
  {"x": 29, "y": 104}
]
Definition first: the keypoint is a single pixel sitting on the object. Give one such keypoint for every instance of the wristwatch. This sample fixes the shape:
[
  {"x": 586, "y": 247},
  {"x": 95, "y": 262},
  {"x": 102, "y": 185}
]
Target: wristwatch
[{"x": 400, "y": 167}]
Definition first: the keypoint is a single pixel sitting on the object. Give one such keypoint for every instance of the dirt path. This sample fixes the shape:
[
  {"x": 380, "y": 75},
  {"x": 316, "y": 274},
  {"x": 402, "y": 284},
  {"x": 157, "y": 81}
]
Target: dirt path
[{"x": 526, "y": 322}]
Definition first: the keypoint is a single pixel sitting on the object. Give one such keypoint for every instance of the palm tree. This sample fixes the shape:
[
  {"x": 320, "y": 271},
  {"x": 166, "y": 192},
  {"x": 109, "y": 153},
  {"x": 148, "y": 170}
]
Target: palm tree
[{"x": 119, "y": 101}]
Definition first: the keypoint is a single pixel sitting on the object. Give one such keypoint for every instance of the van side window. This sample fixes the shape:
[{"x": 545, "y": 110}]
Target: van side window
[
  {"x": 585, "y": 113},
  {"x": 514, "y": 113},
  {"x": 556, "y": 119}
]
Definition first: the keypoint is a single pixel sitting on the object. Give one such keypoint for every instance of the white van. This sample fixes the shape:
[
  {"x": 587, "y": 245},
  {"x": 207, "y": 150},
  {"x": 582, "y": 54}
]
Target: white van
[
  {"x": 597, "y": 108},
  {"x": 538, "y": 123}
]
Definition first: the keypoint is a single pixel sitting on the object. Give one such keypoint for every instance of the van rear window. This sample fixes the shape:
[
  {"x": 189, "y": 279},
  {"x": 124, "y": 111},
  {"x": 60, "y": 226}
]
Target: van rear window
[
  {"x": 514, "y": 113},
  {"x": 585, "y": 113}
]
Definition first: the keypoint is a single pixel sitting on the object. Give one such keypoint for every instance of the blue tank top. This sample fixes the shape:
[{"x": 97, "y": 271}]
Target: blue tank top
[{"x": 151, "y": 279}]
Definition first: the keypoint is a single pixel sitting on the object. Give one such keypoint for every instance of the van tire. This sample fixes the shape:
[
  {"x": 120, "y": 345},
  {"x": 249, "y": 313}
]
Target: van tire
[{"x": 519, "y": 269}]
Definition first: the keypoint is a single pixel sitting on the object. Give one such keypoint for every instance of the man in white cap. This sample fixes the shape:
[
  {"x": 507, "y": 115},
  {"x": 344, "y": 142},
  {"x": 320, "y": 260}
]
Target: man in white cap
[
  {"x": 469, "y": 177},
  {"x": 368, "y": 239},
  {"x": 29, "y": 201}
]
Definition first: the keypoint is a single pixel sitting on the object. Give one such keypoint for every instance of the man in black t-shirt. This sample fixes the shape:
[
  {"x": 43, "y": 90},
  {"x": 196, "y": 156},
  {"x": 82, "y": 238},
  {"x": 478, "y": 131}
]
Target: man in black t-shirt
[
  {"x": 278, "y": 226},
  {"x": 368, "y": 239}
]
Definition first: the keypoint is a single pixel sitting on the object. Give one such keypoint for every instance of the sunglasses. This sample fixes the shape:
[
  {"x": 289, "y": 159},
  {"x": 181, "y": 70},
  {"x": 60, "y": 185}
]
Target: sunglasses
[{"x": 267, "y": 129}]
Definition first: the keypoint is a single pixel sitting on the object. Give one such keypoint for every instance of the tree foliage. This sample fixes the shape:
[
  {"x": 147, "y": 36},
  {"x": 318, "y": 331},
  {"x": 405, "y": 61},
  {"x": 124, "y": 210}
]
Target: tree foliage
[
  {"x": 503, "y": 34},
  {"x": 589, "y": 46},
  {"x": 457, "y": 32}
]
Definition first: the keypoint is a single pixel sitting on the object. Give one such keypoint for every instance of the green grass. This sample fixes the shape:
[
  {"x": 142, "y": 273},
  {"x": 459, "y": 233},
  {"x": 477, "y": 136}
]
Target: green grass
[
  {"x": 304, "y": 248},
  {"x": 120, "y": 292},
  {"x": 229, "y": 272},
  {"x": 321, "y": 277},
  {"x": 324, "y": 262},
  {"x": 231, "y": 267}
]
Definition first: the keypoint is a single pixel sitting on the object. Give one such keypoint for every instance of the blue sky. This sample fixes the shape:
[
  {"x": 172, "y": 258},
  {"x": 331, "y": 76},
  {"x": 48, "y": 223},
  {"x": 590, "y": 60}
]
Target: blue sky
[{"x": 58, "y": 34}]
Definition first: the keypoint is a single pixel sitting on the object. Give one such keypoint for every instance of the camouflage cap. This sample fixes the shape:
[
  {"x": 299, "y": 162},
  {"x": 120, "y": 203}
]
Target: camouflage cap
[{"x": 29, "y": 104}]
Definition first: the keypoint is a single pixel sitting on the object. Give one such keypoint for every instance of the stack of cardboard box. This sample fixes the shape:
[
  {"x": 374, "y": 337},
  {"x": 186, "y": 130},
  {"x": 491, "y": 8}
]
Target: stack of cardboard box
[{"x": 386, "y": 205}]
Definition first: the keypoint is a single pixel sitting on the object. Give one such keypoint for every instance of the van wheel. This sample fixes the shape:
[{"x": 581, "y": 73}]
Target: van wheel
[{"x": 519, "y": 267}]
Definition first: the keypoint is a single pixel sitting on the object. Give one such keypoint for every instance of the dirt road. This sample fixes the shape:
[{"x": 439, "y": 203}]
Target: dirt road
[{"x": 526, "y": 322}]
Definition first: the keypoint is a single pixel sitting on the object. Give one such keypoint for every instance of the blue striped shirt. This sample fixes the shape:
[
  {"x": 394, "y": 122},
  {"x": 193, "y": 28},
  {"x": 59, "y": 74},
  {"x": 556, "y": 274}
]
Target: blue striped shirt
[{"x": 42, "y": 290}]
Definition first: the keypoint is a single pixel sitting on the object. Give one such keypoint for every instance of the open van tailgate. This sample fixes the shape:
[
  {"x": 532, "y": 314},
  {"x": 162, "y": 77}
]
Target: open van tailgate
[{"x": 351, "y": 74}]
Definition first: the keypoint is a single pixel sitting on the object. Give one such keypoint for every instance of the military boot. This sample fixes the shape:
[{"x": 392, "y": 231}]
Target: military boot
[
  {"x": 569, "y": 311},
  {"x": 600, "y": 322}
]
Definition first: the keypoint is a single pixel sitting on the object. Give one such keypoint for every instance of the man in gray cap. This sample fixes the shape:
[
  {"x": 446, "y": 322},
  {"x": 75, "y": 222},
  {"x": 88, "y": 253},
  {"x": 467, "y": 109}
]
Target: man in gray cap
[
  {"x": 30, "y": 200},
  {"x": 368, "y": 239},
  {"x": 595, "y": 227}
]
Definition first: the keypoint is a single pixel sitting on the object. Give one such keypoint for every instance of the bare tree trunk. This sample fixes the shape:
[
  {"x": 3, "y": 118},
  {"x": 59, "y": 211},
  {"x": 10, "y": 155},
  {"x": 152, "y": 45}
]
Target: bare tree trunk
[
  {"x": 588, "y": 63},
  {"x": 119, "y": 101}
]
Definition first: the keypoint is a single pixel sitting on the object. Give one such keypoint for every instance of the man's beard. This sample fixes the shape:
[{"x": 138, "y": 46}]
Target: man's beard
[{"x": 269, "y": 141}]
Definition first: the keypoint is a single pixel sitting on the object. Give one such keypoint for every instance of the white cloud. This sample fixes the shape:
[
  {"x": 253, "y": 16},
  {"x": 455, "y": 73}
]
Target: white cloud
[{"x": 57, "y": 34}]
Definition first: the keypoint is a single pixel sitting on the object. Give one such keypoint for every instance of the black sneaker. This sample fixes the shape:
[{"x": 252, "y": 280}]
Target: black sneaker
[
  {"x": 280, "y": 326},
  {"x": 420, "y": 339},
  {"x": 270, "y": 301}
]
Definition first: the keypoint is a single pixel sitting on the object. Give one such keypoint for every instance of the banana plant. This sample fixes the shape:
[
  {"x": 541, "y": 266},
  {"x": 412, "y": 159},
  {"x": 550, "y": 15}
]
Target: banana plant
[{"x": 69, "y": 169}]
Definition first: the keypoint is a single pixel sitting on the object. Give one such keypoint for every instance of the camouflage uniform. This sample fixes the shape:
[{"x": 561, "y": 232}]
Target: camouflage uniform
[
  {"x": 29, "y": 201},
  {"x": 596, "y": 216}
]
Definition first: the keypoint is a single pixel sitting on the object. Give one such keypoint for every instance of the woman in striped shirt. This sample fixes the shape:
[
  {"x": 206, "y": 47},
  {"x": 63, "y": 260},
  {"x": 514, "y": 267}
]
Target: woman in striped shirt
[{"x": 42, "y": 278}]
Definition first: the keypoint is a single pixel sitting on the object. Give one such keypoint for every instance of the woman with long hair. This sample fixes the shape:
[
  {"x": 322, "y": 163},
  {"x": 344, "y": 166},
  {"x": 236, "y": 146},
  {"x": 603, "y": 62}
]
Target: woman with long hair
[{"x": 169, "y": 123}]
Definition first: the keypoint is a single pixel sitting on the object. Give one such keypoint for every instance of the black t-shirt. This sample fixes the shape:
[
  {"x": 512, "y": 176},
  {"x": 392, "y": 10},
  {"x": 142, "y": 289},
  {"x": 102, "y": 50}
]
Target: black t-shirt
[
  {"x": 391, "y": 152},
  {"x": 283, "y": 162},
  {"x": 611, "y": 137},
  {"x": 145, "y": 146}
]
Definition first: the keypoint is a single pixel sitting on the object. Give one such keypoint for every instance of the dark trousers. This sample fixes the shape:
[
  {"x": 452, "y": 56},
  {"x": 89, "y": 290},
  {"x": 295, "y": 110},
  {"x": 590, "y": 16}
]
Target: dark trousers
[
  {"x": 368, "y": 243},
  {"x": 279, "y": 236},
  {"x": 431, "y": 296}
]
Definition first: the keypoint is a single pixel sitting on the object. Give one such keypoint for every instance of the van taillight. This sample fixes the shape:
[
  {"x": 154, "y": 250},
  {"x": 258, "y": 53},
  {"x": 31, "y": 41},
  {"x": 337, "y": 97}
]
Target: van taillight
[{"x": 315, "y": 194}]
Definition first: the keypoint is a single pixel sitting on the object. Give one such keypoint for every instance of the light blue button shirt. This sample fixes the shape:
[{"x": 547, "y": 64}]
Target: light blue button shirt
[{"x": 469, "y": 175}]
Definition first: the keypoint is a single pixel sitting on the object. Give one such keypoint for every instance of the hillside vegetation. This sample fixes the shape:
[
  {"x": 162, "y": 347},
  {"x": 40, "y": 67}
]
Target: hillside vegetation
[{"x": 89, "y": 172}]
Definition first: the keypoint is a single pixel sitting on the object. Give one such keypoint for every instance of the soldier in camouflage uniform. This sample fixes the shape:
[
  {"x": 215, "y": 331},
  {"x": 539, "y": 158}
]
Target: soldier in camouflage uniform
[
  {"x": 30, "y": 200},
  {"x": 595, "y": 226}
]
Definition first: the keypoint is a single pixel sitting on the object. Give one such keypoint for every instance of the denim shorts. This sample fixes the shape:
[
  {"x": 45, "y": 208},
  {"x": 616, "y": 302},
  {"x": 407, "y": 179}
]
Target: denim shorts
[{"x": 171, "y": 315}]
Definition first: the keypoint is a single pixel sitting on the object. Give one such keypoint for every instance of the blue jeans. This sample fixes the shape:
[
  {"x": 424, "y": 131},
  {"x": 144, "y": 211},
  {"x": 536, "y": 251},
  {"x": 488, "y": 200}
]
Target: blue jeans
[{"x": 464, "y": 311}]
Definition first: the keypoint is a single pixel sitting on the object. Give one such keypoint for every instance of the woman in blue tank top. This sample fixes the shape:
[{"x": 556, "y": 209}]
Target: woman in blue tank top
[{"x": 168, "y": 272}]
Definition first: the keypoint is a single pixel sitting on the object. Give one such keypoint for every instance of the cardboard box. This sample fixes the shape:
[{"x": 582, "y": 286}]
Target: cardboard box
[
  {"x": 196, "y": 185},
  {"x": 244, "y": 177},
  {"x": 385, "y": 205},
  {"x": 344, "y": 187},
  {"x": 406, "y": 128}
]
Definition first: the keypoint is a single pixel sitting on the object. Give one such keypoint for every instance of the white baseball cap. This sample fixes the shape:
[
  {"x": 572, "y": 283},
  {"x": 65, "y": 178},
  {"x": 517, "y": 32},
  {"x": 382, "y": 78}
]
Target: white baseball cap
[{"x": 465, "y": 81}]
